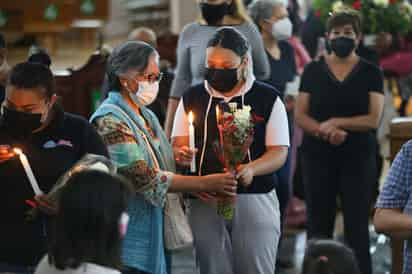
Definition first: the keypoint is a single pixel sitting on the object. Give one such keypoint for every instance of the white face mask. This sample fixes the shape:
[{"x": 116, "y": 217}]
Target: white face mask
[
  {"x": 146, "y": 93},
  {"x": 282, "y": 29}
]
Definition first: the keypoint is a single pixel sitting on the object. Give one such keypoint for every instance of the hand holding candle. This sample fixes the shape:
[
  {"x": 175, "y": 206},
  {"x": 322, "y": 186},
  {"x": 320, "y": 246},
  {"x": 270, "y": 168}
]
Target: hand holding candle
[
  {"x": 25, "y": 163},
  {"x": 6, "y": 153},
  {"x": 192, "y": 141}
]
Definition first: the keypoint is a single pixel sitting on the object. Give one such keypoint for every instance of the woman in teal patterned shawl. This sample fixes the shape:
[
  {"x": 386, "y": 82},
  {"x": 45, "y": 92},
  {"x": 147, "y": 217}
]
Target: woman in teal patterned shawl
[{"x": 142, "y": 153}]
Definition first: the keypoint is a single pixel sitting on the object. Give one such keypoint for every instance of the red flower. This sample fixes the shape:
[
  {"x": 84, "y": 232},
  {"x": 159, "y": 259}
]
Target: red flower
[
  {"x": 393, "y": 1},
  {"x": 318, "y": 13},
  {"x": 357, "y": 5},
  {"x": 257, "y": 118}
]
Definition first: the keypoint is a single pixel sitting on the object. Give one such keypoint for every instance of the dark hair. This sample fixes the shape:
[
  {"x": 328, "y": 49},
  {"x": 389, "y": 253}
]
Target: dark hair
[
  {"x": 329, "y": 257},
  {"x": 230, "y": 38},
  {"x": 40, "y": 57},
  {"x": 345, "y": 17},
  {"x": 129, "y": 55},
  {"x": 2, "y": 42},
  {"x": 32, "y": 76},
  {"x": 86, "y": 228}
]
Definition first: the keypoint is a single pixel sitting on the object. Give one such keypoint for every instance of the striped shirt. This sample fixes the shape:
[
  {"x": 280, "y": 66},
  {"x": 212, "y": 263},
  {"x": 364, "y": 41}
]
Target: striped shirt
[
  {"x": 191, "y": 55},
  {"x": 396, "y": 193}
]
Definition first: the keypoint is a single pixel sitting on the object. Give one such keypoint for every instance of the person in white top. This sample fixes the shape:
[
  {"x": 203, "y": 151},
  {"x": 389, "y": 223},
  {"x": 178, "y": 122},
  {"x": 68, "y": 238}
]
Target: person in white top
[
  {"x": 89, "y": 226},
  {"x": 247, "y": 243}
]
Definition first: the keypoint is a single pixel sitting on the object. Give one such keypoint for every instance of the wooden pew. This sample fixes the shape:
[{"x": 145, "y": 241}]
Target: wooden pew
[{"x": 79, "y": 88}]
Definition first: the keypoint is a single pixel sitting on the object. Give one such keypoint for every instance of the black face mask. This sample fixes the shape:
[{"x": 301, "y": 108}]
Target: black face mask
[
  {"x": 342, "y": 46},
  {"x": 213, "y": 14},
  {"x": 222, "y": 80},
  {"x": 21, "y": 124}
]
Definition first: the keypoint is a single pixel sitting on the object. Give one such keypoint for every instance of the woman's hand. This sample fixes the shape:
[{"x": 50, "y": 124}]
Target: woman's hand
[
  {"x": 221, "y": 183},
  {"x": 327, "y": 128},
  {"x": 245, "y": 175},
  {"x": 6, "y": 153},
  {"x": 207, "y": 197},
  {"x": 184, "y": 155},
  {"x": 338, "y": 137},
  {"x": 46, "y": 205}
]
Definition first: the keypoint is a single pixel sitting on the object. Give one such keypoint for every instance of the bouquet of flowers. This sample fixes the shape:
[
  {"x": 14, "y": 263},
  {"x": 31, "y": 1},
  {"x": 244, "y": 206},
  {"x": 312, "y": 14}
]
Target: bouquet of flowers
[
  {"x": 393, "y": 16},
  {"x": 236, "y": 130}
]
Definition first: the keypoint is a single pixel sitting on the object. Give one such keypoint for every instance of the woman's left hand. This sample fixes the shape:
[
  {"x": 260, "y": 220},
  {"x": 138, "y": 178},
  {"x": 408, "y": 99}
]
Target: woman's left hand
[
  {"x": 327, "y": 128},
  {"x": 46, "y": 205},
  {"x": 245, "y": 175}
]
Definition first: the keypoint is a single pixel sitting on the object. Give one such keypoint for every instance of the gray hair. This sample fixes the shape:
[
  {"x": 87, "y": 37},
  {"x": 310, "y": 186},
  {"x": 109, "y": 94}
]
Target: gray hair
[
  {"x": 131, "y": 55},
  {"x": 261, "y": 10}
]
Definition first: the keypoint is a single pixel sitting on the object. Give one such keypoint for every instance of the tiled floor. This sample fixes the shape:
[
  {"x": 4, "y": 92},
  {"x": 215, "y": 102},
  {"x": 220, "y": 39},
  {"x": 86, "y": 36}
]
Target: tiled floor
[{"x": 293, "y": 248}]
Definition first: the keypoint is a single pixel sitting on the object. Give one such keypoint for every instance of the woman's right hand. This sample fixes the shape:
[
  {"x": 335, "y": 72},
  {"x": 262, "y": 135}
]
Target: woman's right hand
[
  {"x": 221, "y": 183},
  {"x": 184, "y": 155},
  {"x": 6, "y": 153},
  {"x": 337, "y": 137}
]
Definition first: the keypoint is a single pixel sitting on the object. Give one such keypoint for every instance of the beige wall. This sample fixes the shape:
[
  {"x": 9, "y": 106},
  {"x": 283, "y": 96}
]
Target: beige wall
[
  {"x": 181, "y": 13},
  {"x": 118, "y": 23}
]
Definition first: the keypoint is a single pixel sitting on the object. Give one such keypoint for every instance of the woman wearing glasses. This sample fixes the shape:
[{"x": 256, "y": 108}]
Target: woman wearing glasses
[{"x": 139, "y": 147}]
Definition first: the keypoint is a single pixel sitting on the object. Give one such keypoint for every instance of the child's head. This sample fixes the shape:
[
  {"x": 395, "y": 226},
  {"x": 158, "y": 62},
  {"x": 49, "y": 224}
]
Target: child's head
[
  {"x": 90, "y": 221},
  {"x": 329, "y": 257}
]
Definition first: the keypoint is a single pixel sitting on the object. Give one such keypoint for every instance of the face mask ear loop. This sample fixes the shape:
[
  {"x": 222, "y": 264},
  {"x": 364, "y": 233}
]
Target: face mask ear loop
[{"x": 205, "y": 135}]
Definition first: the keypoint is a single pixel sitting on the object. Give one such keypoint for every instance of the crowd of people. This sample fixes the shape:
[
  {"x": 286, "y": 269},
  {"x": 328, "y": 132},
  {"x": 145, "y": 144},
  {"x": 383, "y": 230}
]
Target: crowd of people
[{"x": 314, "y": 119}]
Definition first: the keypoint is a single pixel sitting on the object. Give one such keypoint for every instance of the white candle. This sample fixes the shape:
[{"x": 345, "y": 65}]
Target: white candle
[
  {"x": 29, "y": 172},
  {"x": 192, "y": 141}
]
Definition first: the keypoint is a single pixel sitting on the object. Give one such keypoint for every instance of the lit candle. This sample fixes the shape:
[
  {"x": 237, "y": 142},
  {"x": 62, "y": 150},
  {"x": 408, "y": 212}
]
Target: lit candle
[
  {"x": 219, "y": 125},
  {"x": 192, "y": 141},
  {"x": 29, "y": 172}
]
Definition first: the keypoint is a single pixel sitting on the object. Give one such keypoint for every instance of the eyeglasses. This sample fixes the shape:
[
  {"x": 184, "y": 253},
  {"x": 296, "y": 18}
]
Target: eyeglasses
[{"x": 151, "y": 78}]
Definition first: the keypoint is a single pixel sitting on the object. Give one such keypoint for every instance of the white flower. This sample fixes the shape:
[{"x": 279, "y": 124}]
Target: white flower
[
  {"x": 381, "y": 3},
  {"x": 247, "y": 108},
  {"x": 408, "y": 7},
  {"x": 338, "y": 5},
  {"x": 233, "y": 107}
]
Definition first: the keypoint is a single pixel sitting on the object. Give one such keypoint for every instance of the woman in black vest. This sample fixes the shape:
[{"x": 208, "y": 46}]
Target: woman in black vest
[
  {"x": 247, "y": 243},
  {"x": 339, "y": 107}
]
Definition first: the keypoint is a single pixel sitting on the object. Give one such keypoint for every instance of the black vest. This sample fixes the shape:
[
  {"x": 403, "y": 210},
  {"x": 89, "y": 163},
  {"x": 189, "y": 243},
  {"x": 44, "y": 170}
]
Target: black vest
[{"x": 261, "y": 97}]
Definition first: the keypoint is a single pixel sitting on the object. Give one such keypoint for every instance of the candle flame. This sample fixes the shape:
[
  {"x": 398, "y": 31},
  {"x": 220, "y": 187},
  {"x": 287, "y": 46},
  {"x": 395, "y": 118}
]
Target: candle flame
[
  {"x": 18, "y": 151},
  {"x": 191, "y": 117}
]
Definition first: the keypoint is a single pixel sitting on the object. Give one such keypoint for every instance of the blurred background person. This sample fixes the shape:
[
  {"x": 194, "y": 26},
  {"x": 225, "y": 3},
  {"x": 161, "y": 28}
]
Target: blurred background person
[
  {"x": 4, "y": 67},
  {"x": 272, "y": 19},
  {"x": 192, "y": 43}
]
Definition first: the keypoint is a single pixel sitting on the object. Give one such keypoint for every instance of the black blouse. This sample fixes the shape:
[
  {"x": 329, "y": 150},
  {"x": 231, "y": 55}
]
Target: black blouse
[
  {"x": 331, "y": 98},
  {"x": 50, "y": 152}
]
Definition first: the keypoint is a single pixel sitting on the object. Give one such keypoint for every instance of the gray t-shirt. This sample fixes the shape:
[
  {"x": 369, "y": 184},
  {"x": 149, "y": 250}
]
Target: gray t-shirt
[{"x": 191, "y": 55}]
